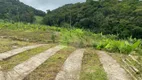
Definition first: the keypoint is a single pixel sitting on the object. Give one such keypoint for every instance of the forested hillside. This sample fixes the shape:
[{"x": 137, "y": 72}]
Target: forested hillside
[
  {"x": 122, "y": 18},
  {"x": 14, "y": 10}
]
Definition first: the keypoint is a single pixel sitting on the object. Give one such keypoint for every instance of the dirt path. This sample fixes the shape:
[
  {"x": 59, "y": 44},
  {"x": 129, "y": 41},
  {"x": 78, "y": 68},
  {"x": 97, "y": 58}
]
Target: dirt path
[
  {"x": 17, "y": 51},
  {"x": 72, "y": 66},
  {"x": 22, "y": 70},
  {"x": 112, "y": 68}
]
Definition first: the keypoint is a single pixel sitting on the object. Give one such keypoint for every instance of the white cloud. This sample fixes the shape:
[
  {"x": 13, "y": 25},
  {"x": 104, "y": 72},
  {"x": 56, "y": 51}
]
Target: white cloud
[{"x": 49, "y": 4}]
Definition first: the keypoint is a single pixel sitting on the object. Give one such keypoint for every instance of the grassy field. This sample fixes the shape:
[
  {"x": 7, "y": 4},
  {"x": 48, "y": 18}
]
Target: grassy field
[{"x": 38, "y": 19}]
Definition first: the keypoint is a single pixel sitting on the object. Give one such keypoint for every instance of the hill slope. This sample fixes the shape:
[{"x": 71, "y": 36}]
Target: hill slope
[
  {"x": 17, "y": 11},
  {"x": 109, "y": 17}
]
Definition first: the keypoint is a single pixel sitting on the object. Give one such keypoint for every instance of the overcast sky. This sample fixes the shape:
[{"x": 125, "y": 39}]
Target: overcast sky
[{"x": 48, "y": 4}]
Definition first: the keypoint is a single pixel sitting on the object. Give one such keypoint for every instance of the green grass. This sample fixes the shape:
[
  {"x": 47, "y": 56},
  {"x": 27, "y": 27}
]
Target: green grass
[
  {"x": 49, "y": 69},
  {"x": 17, "y": 59},
  {"x": 38, "y": 19},
  {"x": 91, "y": 67},
  {"x": 8, "y": 44}
]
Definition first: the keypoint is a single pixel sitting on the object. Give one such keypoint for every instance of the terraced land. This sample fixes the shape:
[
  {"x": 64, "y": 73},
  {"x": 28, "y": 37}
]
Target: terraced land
[{"x": 58, "y": 62}]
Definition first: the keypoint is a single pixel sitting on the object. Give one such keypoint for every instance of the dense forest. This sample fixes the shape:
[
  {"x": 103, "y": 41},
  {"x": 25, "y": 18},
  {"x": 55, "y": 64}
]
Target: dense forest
[
  {"x": 14, "y": 10},
  {"x": 122, "y": 18}
]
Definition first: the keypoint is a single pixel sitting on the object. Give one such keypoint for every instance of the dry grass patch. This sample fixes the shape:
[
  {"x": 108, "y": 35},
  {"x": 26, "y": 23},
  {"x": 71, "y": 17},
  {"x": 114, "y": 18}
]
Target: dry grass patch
[{"x": 8, "y": 44}]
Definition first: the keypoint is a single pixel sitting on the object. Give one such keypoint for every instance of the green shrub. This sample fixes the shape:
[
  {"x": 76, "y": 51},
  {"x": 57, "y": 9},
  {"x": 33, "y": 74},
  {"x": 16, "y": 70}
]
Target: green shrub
[
  {"x": 121, "y": 46},
  {"x": 53, "y": 37}
]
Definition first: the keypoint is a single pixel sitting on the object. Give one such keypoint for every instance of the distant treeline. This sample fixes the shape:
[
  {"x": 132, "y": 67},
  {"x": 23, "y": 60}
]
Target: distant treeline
[
  {"x": 14, "y": 10},
  {"x": 123, "y": 18}
]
